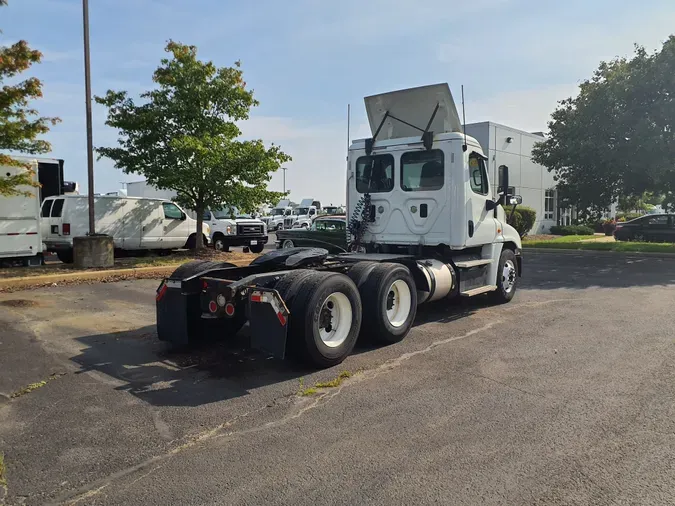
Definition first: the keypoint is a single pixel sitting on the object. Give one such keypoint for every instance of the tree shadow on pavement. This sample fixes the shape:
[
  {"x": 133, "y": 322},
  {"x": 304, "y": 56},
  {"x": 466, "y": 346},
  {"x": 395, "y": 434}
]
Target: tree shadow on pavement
[{"x": 146, "y": 368}]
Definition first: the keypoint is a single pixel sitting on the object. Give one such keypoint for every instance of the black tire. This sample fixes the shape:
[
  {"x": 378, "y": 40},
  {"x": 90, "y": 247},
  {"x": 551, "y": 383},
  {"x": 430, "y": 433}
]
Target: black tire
[
  {"x": 307, "y": 297},
  {"x": 258, "y": 248},
  {"x": 377, "y": 289},
  {"x": 65, "y": 256},
  {"x": 191, "y": 243},
  {"x": 287, "y": 244},
  {"x": 359, "y": 272},
  {"x": 505, "y": 291},
  {"x": 219, "y": 243}
]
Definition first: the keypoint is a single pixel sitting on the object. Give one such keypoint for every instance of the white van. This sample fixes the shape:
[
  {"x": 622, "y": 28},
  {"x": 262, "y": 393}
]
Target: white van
[
  {"x": 135, "y": 224},
  {"x": 19, "y": 221}
]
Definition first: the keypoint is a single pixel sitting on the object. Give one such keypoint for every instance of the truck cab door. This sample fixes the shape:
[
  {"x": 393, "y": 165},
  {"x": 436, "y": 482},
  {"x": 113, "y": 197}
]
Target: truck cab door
[{"x": 481, "y": 223}]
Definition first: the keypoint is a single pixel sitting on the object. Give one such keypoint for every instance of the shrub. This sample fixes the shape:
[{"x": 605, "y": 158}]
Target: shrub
[
  {"x": 522, "y": 220},
  {"x": 627, "y": 216},
  {"x": 572, "y": 230}
]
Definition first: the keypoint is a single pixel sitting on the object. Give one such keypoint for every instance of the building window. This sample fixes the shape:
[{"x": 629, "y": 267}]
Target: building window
[{"x": 549, "y": 205}]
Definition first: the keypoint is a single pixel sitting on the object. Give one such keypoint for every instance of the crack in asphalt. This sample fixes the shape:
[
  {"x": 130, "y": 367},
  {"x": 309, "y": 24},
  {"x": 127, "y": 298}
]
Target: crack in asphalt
[{"x": 217, "y": 432}]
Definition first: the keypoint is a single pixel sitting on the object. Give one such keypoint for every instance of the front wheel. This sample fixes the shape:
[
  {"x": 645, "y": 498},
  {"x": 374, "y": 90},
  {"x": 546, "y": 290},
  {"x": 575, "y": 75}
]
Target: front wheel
[
  {"x": 287, "y": 244},
  {"x": 219, "y": 244},
  {"x": 507, "y": 278},
  {"x": 257, "y": 248},
  {"x": 66, "y": 256}
]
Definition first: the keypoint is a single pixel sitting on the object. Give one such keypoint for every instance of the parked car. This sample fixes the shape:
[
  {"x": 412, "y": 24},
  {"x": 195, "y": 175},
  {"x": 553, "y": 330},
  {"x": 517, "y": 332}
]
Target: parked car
[
  {"x": 650, "y": 228},
  {"x": 135, "y": 224},
  {"x": 328, "y": 232}
]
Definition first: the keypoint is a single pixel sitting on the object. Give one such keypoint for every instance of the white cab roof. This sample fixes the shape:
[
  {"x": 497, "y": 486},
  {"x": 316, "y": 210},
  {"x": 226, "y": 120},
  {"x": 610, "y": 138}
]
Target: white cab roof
[{"x": 415, "y": 106}]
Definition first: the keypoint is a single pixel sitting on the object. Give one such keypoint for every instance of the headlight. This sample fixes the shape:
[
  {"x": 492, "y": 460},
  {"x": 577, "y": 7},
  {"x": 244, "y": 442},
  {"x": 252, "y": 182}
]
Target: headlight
[
  {"x": 228, "y": 230},
  {"x": 208, "y": 229}
]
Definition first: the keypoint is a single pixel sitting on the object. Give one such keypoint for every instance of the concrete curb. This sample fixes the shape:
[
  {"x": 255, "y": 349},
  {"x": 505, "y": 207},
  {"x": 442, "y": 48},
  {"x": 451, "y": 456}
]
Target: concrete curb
[
  {"x": 599, "y": 252},
  {"x": 128, "y": 273}
]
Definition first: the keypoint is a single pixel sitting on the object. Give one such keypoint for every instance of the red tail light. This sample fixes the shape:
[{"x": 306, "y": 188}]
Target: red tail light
[{"x": 66, "y": 229}]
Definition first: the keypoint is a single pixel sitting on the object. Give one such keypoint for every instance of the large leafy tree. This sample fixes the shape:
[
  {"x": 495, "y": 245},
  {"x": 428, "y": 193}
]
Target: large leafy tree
[
  {"x": 183, "y": 136},
  {"x": 20, "y": 125},
  {"x": 617, "y": 137}
]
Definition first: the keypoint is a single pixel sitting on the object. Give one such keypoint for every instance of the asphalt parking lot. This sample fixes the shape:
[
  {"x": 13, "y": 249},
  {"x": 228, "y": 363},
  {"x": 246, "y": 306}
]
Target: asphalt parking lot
[{"x": 563, "y": 396}]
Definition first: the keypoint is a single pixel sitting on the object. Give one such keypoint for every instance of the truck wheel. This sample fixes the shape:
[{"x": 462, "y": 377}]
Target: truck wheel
[
  {"x": 507, "y": 278},
  {"x": 325, "y": 317},
  {"x": 258, "y": 248},
  {"x": 219, "y": 243},
  {"x": 287, "y": 244},
  {"x": 192, "y": 241},
  {"x": 66, "y": 256},
  {"x": 389, "y": 303}
]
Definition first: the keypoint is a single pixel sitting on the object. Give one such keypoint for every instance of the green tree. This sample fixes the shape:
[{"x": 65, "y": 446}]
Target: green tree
[
  {"x": 617, "y": 137},
  {"x": 20, "y": 125},
  {"x": 183, "y": 137}
]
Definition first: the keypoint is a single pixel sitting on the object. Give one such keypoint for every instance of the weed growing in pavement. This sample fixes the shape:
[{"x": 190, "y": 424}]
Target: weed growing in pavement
[
  {"x": 34, "y": 386},
  {"x": 3, "y": 479},
  {"x": 334, "y": 383}
]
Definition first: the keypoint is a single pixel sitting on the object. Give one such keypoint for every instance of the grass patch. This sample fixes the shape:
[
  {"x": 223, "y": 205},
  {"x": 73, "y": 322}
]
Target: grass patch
[
  {"x": 3, "y": 479},
  {"x": 334, "y": 383},
  {"x": 34, "y": 386},
  {"x": 573, "y": 242}
]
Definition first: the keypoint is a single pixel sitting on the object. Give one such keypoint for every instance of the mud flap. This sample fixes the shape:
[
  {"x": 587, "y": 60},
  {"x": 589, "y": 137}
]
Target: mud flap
[
  {"x": 268, "y": 318},
  {"x": 175, "y": 313}
]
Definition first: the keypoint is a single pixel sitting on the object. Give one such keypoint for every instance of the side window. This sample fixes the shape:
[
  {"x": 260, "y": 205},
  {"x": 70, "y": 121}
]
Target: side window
[
  {"x": 172, "y": 212},
  {"x": 46, "y": 208},
  {"x": 478, "y": 175},
  {"x": 320, "y": 225},
  {"x": 340, "y": 225},
  {"x": 312, "y": 212},
  {"x": 57, "y": 208},
  {"x": 422, "y": 170},
  {"x": 658, "y": 221},
  {"x": 206, "y": 217},
  {"x": 375, "y": 174}
]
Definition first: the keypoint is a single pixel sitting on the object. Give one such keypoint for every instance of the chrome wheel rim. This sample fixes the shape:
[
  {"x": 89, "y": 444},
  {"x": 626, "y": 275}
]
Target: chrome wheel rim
[
  {"x": 288, "y": 244},
  {"x": 508, "y": 276}
]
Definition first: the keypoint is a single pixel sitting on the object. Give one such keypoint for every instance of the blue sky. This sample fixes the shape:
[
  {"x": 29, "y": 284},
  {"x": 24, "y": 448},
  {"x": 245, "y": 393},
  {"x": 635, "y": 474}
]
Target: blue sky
[{"x": 308, "y": 59}]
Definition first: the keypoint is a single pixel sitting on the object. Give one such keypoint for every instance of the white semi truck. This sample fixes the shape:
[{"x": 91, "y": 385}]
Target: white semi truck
[
  {"x": 303, "y": 215},
  {"x": 278, "y": 215},
  {"x": 423, "y": 226}
]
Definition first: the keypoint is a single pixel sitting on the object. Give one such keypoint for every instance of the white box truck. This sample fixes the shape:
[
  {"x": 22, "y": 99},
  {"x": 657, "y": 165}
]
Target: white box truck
[
  {"x": 136, "y": 224},
  {"x": 425, "y": 225},
  {"x": 20, "y": 237}
]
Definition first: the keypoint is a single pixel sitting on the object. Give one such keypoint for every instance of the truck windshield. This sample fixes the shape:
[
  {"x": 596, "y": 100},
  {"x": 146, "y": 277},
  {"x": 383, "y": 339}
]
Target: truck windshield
[
  {"x": 375, "y": 174},
  {"x": 277, "y": 211},
  {"x": 301, "y": 210},
  {"x": 224, "y": 213}
]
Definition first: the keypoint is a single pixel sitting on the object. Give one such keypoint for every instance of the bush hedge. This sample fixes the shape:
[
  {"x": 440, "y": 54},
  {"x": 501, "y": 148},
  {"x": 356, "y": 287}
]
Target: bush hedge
[
  {"x": 571, "y": 230},
  {"x": 522, "y": 220}
]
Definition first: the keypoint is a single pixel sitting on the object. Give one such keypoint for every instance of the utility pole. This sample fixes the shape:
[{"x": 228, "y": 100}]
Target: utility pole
[
  {"x": 284, "y": 169},
  {"x": 87, "y": 92}
]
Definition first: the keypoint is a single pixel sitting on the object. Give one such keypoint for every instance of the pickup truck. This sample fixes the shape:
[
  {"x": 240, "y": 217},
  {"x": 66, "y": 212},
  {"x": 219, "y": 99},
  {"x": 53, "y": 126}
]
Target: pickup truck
[{"x": 241, "y": 230}]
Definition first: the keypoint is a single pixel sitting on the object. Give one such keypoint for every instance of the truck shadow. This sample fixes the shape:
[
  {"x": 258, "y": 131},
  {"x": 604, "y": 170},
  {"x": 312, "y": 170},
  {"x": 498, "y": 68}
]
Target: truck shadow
[{"x": 146, "y": 368}]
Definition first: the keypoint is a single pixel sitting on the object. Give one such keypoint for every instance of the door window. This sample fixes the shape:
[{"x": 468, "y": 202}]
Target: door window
[
  {"x": 206, "y": 216},
  {"x": 46, "y": 208},
  {"x": 375, "y": 174},
  {"x": 172, "y": 211},
  {"x": 57, "y": 209},
  {"x": 422, "y": 170},
  {"x": 478, "y": 175}
]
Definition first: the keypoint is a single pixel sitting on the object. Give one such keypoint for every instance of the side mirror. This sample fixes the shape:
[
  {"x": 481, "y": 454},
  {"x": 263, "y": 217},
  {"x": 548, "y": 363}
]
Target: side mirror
[
  {"x": 183, "y": 216},
  {"x": 515, "y": 200},
  {"x": 491, "y": 205},
  {"x": 503, "y": 186}
]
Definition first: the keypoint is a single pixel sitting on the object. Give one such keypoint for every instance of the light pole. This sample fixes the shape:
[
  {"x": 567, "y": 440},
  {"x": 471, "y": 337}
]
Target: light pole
[
  {"x": 87, "y": 92},
  {"x": 284, "y": 169}
]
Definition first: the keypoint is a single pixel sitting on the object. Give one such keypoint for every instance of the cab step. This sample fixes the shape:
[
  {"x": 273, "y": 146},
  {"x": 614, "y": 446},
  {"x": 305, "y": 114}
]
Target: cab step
[
  {"x": 467, "y": 264},
  {"x": 479, "y": 290}
]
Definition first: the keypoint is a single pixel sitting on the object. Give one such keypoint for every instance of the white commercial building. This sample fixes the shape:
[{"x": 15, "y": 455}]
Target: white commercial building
[{"x": 511, "y": 147}]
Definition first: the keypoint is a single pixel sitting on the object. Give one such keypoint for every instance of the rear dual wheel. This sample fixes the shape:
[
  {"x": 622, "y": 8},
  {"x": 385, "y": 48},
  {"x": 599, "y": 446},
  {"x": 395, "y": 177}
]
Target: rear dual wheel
[
  {"x": 325, "y": 316},
  {"x": 389, "y": 300}
]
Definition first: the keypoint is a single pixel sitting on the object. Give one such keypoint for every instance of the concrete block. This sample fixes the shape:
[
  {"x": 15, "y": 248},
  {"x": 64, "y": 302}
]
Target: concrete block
[{"x": 93, "y": 251}]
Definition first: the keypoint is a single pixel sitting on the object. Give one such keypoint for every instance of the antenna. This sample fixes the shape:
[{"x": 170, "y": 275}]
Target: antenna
[
  {"x": 349, "y": 107},
  {"x": 463, "y": 120}
]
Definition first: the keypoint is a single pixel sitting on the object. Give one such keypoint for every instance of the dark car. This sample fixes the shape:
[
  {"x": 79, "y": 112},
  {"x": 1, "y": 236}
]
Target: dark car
[
  {"x": 329, "y": 232},
  {"x": 650, "y": 228}
]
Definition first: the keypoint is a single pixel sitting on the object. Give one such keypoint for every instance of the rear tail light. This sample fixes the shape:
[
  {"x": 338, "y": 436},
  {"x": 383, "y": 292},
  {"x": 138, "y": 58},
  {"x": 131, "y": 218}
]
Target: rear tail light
[{"x": 66, "y": 229}]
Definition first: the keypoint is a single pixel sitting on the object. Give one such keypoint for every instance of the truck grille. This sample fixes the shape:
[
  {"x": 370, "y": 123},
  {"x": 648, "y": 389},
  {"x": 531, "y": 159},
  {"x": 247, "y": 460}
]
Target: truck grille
[
  {"x": 249, "y": 229},
  {"x": 288, "y": 222}
]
